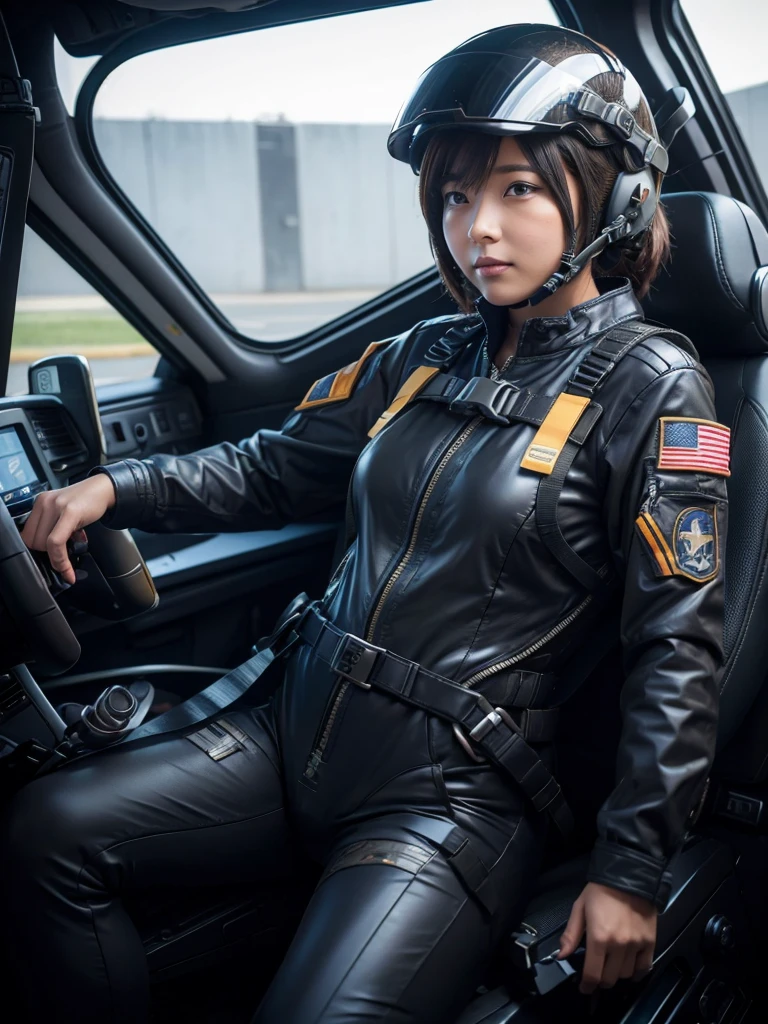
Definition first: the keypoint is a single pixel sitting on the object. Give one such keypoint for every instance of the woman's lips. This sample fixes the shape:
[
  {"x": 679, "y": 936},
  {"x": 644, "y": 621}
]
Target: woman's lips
[{"x": 492, "y": 269}]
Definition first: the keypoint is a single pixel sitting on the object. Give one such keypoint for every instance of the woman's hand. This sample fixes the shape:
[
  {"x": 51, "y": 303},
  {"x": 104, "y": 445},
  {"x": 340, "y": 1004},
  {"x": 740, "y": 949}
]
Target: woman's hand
[
  {"x": 57, "y": 515},
  {"x": 621, "y": 935}
]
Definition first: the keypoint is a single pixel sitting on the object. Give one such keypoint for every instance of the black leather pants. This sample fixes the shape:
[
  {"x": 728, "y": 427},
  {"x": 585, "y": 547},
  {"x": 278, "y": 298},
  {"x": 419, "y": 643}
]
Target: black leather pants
[{"x": 392, "y": 932}]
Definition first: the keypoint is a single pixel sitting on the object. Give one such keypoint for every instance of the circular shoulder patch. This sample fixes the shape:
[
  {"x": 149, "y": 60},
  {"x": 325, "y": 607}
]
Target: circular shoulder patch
[{"x": 695, "y": 543}]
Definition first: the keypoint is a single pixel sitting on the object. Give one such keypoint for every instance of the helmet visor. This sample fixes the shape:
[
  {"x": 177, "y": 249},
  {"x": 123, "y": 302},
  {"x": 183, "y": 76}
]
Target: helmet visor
[{"x": 508, "y": 94}]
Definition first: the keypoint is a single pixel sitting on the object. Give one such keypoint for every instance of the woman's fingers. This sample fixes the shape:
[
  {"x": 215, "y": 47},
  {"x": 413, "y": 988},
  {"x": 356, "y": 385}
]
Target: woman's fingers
[
  {"x": 58, "y": 515},
  {"x": 57, "y": 544},
  {"x": 571, "y": 937},
  {"x": 643, "y": 963},
  {"x": 628, "y": 967},
  {"x": 594, "y": 963},
  {"x": 606, "y": 963}
]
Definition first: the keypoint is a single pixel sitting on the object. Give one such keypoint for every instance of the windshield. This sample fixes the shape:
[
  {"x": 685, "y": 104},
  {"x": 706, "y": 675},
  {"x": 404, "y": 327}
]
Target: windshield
[{"x": 260, "y": 159}]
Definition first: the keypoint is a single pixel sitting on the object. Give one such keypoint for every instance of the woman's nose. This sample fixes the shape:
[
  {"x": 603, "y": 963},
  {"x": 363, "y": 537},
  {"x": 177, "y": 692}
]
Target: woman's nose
[{"x": 484, "y": 226}]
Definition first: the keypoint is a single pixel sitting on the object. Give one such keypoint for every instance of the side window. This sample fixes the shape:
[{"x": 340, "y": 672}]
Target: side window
[
  {"x": 737, "y": 60},
  {"x": 57, "y": 311},
  {"x": 260, "y": 158}
]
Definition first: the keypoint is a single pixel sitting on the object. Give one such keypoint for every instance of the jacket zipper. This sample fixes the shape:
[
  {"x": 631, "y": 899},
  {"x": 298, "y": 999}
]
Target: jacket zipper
[
  {"x": 334, "y": 704},
  {"x": 320, "y": 741},
  {"x": 478, "y": 677},
  {"x": 401, "y": 566}
]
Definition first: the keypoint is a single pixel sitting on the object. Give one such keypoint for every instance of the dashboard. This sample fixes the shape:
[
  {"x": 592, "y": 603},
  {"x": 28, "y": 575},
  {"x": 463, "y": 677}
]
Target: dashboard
[{"x": 39, "y": 448}]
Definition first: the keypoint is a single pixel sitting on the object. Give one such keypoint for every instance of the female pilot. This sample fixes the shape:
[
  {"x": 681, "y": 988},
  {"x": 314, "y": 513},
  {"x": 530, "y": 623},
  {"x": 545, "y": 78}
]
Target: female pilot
[{"x": 514, "y": 471}]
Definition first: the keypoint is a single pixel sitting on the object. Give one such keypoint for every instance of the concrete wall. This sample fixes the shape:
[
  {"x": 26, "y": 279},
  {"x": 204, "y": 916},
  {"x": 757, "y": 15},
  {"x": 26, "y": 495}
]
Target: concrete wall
[
  {"x": 229, "y": 198},
  {"x": 250, "y": 208},
  {"x": 358, "y": 210}
]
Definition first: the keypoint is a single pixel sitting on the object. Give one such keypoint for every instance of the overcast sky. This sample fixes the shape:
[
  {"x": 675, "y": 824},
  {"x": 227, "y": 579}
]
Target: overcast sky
[{"x": 360, "y": 67}]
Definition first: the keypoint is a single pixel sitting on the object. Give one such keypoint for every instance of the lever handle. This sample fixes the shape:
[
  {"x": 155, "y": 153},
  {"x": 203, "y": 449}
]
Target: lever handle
[{"x": 114, "y": 713}]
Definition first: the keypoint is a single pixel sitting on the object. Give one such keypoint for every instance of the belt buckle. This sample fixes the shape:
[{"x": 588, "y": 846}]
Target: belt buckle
[
  {"x": 492, "y": 721},
  {"x": 485, "y": 396},
  {"x": 354, "y": 659}
]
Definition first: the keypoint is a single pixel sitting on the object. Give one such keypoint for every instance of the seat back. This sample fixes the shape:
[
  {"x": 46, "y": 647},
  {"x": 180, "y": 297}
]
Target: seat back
[{"x": 715, "y": 291}]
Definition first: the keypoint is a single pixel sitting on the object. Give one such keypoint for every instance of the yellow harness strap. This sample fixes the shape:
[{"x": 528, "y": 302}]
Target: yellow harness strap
[
  {"x": 543, "y": 451},
  {"x": 409, "y": 390}
]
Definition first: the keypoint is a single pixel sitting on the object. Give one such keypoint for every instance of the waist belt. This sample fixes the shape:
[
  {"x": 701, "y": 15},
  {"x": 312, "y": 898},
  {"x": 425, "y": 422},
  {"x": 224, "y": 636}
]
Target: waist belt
[
  {"x": 503, "y": 739},
  {"x": 494, "y": 732}
]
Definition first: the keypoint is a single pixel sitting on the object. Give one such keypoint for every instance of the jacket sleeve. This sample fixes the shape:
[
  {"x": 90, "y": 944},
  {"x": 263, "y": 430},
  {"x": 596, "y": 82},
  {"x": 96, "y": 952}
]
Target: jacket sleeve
[
  {"x": 299, "y": 472},
  {"x": 667, "y": 530}
]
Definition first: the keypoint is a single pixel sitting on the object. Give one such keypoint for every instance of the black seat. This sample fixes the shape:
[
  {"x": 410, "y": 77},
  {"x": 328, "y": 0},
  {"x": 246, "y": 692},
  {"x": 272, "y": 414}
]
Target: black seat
[{"x": 715, "y": 291}]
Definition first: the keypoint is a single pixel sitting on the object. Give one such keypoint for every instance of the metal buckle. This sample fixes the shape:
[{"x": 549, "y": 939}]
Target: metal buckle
[
  {"x": 488, "y": 397},
  {"x": 354, "y": 659},
  {"x": 465, "y": 744},
  {"x": 492, "y": 721}
]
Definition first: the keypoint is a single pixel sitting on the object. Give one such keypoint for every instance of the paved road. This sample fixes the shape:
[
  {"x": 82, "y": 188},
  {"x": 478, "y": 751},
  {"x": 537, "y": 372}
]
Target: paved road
[
  {"x": 105, "y": 371},
  {"x": 268, "y": 318}
]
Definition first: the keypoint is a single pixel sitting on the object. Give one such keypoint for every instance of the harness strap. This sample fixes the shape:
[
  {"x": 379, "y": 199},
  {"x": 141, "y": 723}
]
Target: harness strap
[
  {"x": 585, "y": 382},
  {"x": 225, "y": 693},
  {"x": 493, "y": 730},
  {"x": 548, "y": 497},
  {"x": 593, "y": 371}
]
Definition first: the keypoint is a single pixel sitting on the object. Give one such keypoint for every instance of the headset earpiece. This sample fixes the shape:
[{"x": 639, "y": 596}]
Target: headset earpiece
[{"x": 633, "y": 197}]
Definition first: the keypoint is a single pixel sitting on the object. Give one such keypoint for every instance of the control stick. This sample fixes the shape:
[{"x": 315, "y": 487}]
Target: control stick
[{"x": 114, "y": 713}]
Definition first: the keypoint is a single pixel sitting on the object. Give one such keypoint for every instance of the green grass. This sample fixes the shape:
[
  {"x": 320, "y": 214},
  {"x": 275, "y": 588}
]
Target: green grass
[{"x": 72, "y": 331}]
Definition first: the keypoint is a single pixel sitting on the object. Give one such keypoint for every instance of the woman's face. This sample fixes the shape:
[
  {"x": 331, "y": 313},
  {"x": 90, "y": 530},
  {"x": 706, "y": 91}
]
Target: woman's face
[{"x": 507, "y": 236}]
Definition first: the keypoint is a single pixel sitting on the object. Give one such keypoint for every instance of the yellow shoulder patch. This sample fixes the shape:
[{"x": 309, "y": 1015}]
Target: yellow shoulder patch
[{"x": 339, "y": 385}]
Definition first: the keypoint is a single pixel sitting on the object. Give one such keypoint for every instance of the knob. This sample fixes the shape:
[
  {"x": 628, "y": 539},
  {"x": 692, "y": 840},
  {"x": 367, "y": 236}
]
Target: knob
[
  {"x": 719, "y": 934},
  {"x": 112, "y": 709}
]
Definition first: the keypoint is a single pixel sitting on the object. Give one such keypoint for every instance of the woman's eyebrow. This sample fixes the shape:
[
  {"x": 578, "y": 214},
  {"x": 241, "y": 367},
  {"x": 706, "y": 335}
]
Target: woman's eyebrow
[
  {"x": 508, "y": 168},
  {"x": 450, "y": 176}
]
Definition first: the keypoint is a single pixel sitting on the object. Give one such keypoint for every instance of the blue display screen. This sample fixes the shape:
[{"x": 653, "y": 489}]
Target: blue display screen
[{"x": 18, "y": 480}]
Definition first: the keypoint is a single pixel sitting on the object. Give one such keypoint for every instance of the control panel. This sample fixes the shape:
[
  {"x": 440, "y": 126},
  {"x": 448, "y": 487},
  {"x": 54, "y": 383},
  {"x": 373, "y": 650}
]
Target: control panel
[
  {"x": 39, "y": 448},
  {"x": 170, "y": 424}
]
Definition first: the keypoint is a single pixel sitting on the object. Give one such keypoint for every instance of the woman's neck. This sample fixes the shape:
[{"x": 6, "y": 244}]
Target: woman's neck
[{"x": 581, "y": 289}]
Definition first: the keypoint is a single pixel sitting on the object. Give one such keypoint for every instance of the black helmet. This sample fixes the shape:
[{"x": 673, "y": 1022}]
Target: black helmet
[
  {"x": 498, "y": 83},
  {"x": 501, "y": 82}
]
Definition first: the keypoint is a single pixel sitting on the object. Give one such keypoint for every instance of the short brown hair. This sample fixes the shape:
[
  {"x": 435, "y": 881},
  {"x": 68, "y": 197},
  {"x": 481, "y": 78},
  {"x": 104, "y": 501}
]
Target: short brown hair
[{"x": 470, "y": 156}]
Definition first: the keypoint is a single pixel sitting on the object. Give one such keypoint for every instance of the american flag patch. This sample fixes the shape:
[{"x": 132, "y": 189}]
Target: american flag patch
[{"x": 694, "y": 444}]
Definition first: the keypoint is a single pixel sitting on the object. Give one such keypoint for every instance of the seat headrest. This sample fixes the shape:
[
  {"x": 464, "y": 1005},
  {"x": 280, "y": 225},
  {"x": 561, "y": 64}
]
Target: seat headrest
[{"x": 715, "y": 287}]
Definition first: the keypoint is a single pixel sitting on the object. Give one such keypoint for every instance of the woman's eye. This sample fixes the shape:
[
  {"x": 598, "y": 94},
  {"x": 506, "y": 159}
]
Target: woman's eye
[
  {"x": 454, "y": 198},
  {"x": 521, "y": 188}
]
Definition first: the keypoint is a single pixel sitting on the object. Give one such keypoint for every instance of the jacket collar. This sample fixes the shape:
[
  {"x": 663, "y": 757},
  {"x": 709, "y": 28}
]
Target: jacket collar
[{"x": 544, "y": 336}]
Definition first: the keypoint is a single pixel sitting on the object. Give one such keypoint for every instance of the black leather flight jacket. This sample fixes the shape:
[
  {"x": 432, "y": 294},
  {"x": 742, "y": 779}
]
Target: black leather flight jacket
[{"x": 449, "y": 569}]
